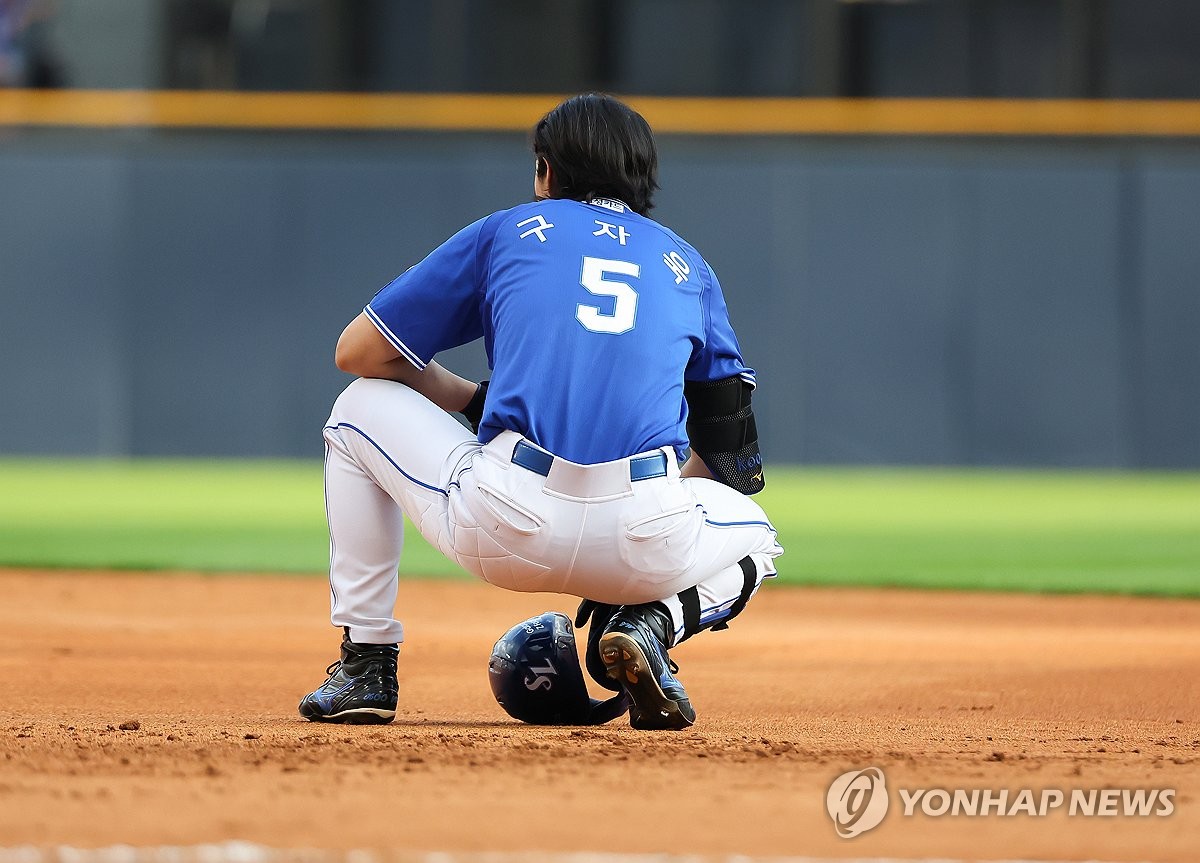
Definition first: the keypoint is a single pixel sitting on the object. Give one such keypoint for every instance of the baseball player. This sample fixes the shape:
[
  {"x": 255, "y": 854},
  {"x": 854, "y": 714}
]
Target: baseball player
[{"x": 612, "y": 358}]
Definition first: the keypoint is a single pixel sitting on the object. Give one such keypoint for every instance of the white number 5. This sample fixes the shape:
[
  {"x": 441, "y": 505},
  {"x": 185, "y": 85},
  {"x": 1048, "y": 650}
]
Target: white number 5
[{"x": 624, "y": 310}]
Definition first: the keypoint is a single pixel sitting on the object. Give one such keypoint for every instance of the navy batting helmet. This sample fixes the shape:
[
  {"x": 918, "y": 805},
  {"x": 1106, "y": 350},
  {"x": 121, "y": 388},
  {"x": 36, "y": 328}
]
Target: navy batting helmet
[{"x": 535, "y": 675}]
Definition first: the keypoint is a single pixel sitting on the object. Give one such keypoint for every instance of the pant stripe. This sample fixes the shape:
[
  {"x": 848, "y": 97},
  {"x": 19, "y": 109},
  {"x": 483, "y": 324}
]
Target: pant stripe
[{"x": 383, "y": 453}]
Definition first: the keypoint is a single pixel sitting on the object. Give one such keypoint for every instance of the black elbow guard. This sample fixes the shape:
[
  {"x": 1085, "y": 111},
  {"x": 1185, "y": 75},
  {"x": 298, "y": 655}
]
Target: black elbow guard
[{"x": 722, "y": 431}]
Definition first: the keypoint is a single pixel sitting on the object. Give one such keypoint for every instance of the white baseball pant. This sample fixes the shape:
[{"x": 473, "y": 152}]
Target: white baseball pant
[{"x": 586, "y": 530}]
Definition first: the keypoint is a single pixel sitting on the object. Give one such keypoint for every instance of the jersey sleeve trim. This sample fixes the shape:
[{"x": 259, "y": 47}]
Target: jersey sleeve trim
[
  {"x": 393, "y": 339},
  {"x": 747, "y": 376}
]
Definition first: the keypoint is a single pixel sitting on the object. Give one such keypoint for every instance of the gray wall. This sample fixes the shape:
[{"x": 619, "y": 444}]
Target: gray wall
[
  {"x": 111, "y": 43},
  {"x": 905, "y": 301}
]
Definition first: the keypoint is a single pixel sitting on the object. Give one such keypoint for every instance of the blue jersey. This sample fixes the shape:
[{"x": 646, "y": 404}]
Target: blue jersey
[{"x": 592, "y": 316}]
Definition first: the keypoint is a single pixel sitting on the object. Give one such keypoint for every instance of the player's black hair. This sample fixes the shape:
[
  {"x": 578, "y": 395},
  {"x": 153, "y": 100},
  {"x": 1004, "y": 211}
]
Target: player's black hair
[{"x": 598, "y": 147}]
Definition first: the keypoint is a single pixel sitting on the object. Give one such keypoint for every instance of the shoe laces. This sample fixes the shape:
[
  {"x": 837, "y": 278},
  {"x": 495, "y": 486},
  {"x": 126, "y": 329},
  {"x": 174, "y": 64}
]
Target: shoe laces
[{"x": 333, "y": 668}]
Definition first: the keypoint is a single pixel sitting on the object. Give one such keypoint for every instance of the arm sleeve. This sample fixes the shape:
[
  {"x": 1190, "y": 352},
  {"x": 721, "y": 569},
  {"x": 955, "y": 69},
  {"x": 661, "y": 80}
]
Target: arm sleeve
[
  {"x": 720, "y": 356},
  {"x": 435, "y": 305}
]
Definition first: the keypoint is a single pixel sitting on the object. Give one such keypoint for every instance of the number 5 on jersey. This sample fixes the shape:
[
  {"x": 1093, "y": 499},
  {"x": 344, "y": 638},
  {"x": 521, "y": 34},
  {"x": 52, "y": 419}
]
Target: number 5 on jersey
[{"x": 624, "y": 311}]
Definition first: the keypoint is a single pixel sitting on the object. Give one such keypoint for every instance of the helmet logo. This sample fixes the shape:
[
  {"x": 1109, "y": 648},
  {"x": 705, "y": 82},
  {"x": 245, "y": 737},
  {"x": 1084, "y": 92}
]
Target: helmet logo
[{"x": 540, "y": 678}]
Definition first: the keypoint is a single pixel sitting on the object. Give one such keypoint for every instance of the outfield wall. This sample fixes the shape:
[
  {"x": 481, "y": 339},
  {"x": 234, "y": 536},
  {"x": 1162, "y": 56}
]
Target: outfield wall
[{"x": 905, "y": 300}]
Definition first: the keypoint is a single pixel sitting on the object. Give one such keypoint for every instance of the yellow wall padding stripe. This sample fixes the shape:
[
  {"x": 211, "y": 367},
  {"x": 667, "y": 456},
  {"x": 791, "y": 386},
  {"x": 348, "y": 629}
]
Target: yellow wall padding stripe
[{"x": 518, "y": 113}]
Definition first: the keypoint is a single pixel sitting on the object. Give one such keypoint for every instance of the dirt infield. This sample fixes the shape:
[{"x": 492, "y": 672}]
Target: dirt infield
[{"x": 160, "y": 710}]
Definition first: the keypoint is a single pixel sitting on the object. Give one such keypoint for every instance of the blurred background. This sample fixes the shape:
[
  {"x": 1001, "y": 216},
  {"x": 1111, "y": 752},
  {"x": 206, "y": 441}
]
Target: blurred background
[
  {"x": 978, "y": 298},
  {"x": 1142, "y": 49}
]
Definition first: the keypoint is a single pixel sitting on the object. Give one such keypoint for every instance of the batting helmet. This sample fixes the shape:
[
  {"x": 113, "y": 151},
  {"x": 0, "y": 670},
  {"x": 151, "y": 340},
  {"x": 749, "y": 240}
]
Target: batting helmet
[{"x": 535, "y": 675}]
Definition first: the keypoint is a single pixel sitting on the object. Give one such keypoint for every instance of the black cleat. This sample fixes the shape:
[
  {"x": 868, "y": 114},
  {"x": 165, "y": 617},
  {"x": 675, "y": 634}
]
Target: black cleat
[
  {"x": 361, "y": 688},
  {"x": 633, "y": 650}
]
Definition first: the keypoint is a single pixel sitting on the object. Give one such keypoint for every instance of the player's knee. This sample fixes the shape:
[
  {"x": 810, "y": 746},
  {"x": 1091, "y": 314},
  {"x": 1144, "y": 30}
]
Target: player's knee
[{"x": 356, "y": 399}]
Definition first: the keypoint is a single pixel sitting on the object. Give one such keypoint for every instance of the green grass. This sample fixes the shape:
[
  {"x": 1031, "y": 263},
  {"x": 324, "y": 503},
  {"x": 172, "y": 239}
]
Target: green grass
[{"x": 1048, "y": 531}]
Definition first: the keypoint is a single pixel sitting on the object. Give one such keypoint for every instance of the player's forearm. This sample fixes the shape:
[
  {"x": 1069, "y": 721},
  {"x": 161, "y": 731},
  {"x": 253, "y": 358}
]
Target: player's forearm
[
  {"x": 695, "y": 467},
  {"x": 438, "y": 384},
  {"x": 363, "y": 351}
]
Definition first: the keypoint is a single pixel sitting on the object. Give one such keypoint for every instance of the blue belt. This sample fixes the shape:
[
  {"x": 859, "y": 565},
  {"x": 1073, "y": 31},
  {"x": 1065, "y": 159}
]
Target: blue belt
[{"x": 642, "y": 467}]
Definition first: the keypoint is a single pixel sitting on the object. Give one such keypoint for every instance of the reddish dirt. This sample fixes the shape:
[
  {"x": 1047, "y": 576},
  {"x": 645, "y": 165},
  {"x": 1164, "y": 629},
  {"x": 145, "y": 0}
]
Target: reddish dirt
[{"x": 160, "y": 710}]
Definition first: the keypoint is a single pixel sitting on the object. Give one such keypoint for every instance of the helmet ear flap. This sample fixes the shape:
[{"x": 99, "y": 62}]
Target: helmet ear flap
[{"x": 535, "y": 675}]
